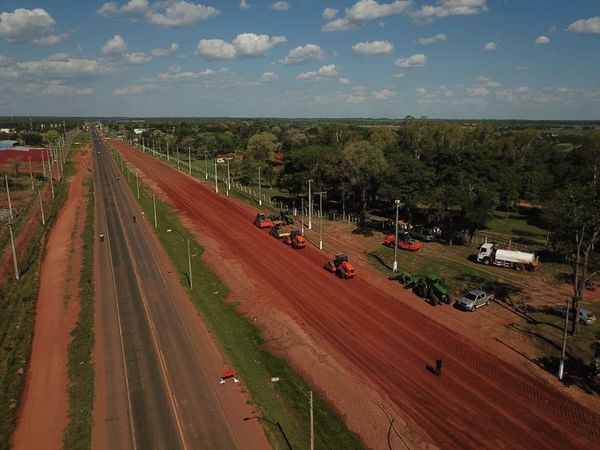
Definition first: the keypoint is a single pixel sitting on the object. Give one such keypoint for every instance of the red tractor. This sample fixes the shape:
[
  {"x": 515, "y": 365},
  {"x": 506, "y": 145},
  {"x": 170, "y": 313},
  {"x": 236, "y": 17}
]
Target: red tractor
[
  {"x": 340, "y": 266},
  {"x": 262, "y": 221},
  {"x": 295, "y": 239},
  {"x": 405, "y": 242}
]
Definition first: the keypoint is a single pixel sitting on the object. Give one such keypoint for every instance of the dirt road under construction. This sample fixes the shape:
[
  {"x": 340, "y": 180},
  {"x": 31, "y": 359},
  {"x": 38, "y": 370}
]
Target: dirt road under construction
[{"x": 479, "y": 402}]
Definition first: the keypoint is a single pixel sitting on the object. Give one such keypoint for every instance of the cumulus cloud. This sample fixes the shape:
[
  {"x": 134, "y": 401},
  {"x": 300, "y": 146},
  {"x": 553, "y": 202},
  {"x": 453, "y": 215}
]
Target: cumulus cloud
[
  {"x": 383, "y": 94},
  {"x": 134, "y": 89},
  {"x": 166, "y": 14},
  {"x": 280, "y": 6},
  {"x": 29, "y": 25},
  {"x": 490, "y": 46},
  {"x": 63, "y": 89},
  {"x": 542, "y": 40},
  {"x": 302, "y": 54},
  {"x": 418, "y": 60},
  {"x": 373, "y": 48},
  {"x": 244, "y": 4},
  {"x": 399, "y": 75},
  {"x": 478, "y": 91},
  {"x": 323, "y": 73},
  {"x": 344, "y": 81},
  {"x": 57, "y": 66},
  {"x": 244, "y": 45},
  {"x": 365, "y": 10},
  {"x": 175, "y": 73},
  {"x": 114, "y": 46},
  {"x": 486, "y": 82},
  {"x": 446, "y": 8},
  {"x": 591, "y": 25},
  {"x": 441, "y": 37},
  {"x": 330, "y": 13},
  {"x": 268, "y": 77}
]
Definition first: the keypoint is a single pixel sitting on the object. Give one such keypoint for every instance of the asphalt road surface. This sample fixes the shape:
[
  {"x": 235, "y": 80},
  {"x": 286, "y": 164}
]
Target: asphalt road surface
[
  {"x": 158, "y": 393},
  {"x": 480, "y": 402}
]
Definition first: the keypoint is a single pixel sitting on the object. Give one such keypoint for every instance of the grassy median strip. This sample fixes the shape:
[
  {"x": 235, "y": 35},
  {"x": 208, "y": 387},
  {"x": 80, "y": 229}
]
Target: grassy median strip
[
  {"x": 282, "y": 406},
  {"x": 17, "y": 312},
  {"x": 78, "y": 433}
]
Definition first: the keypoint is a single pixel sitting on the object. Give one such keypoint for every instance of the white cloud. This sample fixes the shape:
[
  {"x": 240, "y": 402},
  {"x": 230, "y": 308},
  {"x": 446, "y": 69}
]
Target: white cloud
[
  {"x": 29, "y": 25},
  {"x": 591, "y": 25},
  {"x": 108, "y": 9},
  {"x": 330, "y": 13},
  {"x": 365, "y": 10},
  {"x": 323, "y": 73},
  {"x": 344, "y": 81},
  {"x": 383, "y": 94},
  {"x": 490, "y": 46},
  {"x": 477, "y": 91},
  {"x": 280, "y": 6},
  {"x": 176, "y": 74},
  {"x": 137, "y": 58},
  {"x": 399, "y": 75},
  {"x": 166, "y": 14},
  {"x": 542, "y": 40},
  {"x": 57, "y": 66},
  {"x": 244, "y": 4},
  {"x": 486, "y": 82},
  {"x": 244, "y": 45},
  {"x": 441, "y": 37},
  {"x": 418, "y": 60},
  {"x": 302, "y": 54},
  {"x": 446, "y": 8},
  {"x": 161, "y": 52},
  {"x": 114, "y": 46},
  {"x": 63, "y": 89},
  {"x": 268, "y": 76},
  {"x": 134, "y": 89},
  {"x": 373, "y": 48}
]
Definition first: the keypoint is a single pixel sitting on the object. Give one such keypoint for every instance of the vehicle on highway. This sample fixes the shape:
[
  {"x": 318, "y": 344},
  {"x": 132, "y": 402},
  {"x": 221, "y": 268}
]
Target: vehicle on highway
[
  {"x": 405, "y": 242},
  {"x": 473, "y": 300},
  {"x": 339, "y": 265},
  {"x": 586, "y": 316},
  {"x": 102, "y": 237}
]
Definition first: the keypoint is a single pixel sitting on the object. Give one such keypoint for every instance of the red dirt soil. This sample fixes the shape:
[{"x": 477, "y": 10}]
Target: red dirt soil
[
  {"x": 479, "y": 402},
  {"x": 44, "y": 408}
]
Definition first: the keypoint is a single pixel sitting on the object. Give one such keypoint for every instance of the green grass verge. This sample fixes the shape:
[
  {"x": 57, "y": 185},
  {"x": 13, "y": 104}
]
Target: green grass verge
[
  {"x": 17, "y": 314},
  {"x": 78, "y": 433},
  {"x": 515, "y": 226},
  {"x": 242, "y": 344}
]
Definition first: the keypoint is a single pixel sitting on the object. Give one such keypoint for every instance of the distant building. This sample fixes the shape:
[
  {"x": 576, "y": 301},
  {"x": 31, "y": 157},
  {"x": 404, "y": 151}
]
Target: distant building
[
  {"x": 139, "y": 130},
  {"x": 7, "y": 144},
  {"x": 7, "y": 130}
]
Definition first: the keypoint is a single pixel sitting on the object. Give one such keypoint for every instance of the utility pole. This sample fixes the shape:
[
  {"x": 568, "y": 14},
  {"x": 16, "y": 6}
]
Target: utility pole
[
  {"x": 41, "y": 208},
  {"x": 205, "y": 165},
  {"x": 189, "y": 160},
  {"x": 228, "y": 179},
  {"x": 190, "y": 264},
  {"x": 177, "y": 149},
  {"x": 10, "y": 211},
  {"x": 259, "y": 188},
  {"x": 216, "y": 178},
  {"x": 320, "y": 219},
  {"x": 312, "y": 422},
  {"x": 395, "y": 265},
  {"x": 154, "y": 205},
  {"x": 137, "y": 186},
  {"x": 12, "y": 244},
  {"x": 561, "y": 366},
  {"x": 30, "y": 172},
  {"x": 302, "y": 215},
  {"x": 309, "y": 206},
  {"x": 44, "y": 163},
  {"x": 168, "y": 156}
]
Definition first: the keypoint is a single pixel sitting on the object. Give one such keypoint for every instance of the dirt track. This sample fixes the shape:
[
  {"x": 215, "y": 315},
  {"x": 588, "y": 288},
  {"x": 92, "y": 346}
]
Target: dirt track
[
  {"x": 480, "y": 402},
  {"x": 44, "y": 409}
]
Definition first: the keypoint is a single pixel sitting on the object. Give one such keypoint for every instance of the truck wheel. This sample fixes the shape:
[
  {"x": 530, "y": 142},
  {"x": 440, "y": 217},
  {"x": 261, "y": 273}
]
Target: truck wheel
[
  {"x": 487, "y": 261},
  {"x": 519, "y": 267}
]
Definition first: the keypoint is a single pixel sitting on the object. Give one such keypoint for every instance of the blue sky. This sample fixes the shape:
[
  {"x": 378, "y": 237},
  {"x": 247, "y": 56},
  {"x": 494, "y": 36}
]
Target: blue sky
[{"x": 533, "y": 59}]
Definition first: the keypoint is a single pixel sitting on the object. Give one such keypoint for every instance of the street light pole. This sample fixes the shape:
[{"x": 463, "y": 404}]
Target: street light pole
[
  {"x": 302, "y": 215},
  {"x": 395, "y": 265},
  {"x": 320, "y": 219},
  {"x": 154, "y": 206},
  {"x": 259, "y": 199},
  {"x": 190, "y": 265},
  {"x": 228, "y": 179},
  {"x": 216, "y": 178},
  {"x": 310, "y": 400},
  {"x": 12, "y": 244},
  {"x": 205, "y": 165},
  {"x": 41, "y": 208},
  {"x": 309, "y": 206},
  {"x": 189, "y": 160},
  {"x": 137, "y": 186},
  {"x": 561, "y": 366}
]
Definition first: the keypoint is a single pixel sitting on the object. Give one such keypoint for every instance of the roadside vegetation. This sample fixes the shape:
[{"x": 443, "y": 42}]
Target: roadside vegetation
[
  {"x": 78, "y": 432},
  {"x": 18, "y": 299},
  {"x": 282, "y": 407}
]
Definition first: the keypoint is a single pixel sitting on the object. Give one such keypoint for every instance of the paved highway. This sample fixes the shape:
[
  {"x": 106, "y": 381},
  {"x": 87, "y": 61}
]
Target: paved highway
[{"x": 156, "y": 391}]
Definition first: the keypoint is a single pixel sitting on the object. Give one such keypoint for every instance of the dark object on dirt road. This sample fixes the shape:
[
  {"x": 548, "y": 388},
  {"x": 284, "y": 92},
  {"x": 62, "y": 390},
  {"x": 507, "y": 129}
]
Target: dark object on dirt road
[
  {"x": 101, "y": 237},
  {"x": 438, "y": 367},
  {"x": 340, "y": 266}
]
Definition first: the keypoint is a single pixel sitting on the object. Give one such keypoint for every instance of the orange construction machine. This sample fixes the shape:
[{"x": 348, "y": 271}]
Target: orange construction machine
[
  {"x": 295, "y": 239},
  {"x": 262, "y": 220},
  {"x": 339, "y": 265}
]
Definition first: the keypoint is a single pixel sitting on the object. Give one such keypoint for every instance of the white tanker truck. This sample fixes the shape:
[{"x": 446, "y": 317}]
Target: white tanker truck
[{"x": 490, "y": 254}]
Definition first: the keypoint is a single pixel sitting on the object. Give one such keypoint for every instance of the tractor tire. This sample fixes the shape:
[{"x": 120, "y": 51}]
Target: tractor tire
[
  {"x": 341, "y": 272},
  {"x": 435, "y": 301},
  {"x": 419, "y": 291},
  {"x": 446, "y": 299}
]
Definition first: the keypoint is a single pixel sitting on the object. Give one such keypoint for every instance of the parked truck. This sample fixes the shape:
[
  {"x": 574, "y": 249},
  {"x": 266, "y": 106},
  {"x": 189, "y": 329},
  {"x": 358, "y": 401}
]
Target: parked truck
[{"x": 489, "y": 254}]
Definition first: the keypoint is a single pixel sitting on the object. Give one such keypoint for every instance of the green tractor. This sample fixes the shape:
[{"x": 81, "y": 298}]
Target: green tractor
[
  {"x": 284, "y": 215},
  {"x": 431, "y": 287}
]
